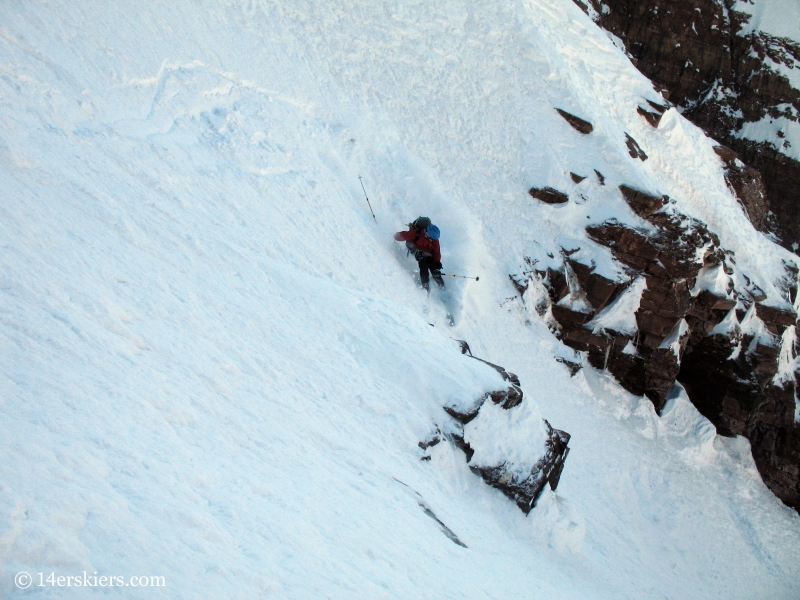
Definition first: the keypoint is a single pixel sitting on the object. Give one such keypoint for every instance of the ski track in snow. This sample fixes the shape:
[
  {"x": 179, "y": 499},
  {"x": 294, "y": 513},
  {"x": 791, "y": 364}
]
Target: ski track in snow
[{"x": 216, "y": 363}]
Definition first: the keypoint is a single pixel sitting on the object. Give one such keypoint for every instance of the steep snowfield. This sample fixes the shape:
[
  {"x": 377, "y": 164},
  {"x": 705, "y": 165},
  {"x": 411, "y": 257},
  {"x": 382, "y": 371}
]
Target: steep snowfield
[{"x": 216, "y": 366}]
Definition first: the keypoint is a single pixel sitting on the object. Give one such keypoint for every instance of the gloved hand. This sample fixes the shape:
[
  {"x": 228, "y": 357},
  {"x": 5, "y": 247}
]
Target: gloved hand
[{"x": 437, "y": 266}]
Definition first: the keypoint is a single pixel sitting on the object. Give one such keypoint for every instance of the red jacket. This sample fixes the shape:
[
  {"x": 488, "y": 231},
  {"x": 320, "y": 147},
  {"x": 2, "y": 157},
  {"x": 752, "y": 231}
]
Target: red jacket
[{"x": 424, "y": 243}]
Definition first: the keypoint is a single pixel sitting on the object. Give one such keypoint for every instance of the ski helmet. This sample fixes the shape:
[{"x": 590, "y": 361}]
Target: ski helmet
[{"x": 432, "y": 231}]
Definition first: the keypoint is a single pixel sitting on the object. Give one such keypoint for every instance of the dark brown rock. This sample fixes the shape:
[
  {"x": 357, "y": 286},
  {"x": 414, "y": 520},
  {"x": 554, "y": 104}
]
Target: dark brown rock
[
  {"x": 524, "y": 485},
  {"x": 521, "y": 482},
  {"x": 776, "y": 319},
  {"x": 507, "y": 398},
  {"x": 580, "y": 338},
  {"x": 510, "y": 377},
  {"x": 557, "y": 286},
  {"x": 709, "y": 307},
  {"x": 573, "y": 367},
  {"x": 569, "y": 317},
  {"x": 651, "y": 116},
  {"x": 431, "y": 440},
  {"x": 576, "y": 178},
  {"x": 653, "y": 323},
  {"x": 643, "y": 204},
  {"x": 548, "y": 195},
  {"x": 632, "y": 247},
  {"x": 730, "y": 379},
  {"x": 585, "y": 4},
  {"x": 726, "y": 154},
  {"x": 599, "y": 290},
  {"x": 662, "y": 369},
  {"x": 464, "y": 416},
  {"x": 600, "y": 177},
  {"x": 749, "y": 188},
  {"x": 578, "y": 123},
  {"x": 739, "y": 398},
  {"x": 669, "y": 298},
  {"x": 633, "y": 148},
  {"x": 658, "y": 107},
  {"x": 630, "y": 370}
]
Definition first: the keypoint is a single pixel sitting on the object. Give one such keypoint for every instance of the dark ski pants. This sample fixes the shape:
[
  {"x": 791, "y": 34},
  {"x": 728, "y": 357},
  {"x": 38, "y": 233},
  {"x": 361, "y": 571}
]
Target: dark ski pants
[{"x": 425, "y": 265}]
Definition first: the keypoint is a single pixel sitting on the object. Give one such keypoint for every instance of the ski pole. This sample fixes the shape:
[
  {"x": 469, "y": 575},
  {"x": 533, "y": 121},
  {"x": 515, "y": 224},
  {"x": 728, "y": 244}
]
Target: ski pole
[
  {"x": 460, "y": 276},
  {"x": 368, "y": 204}
]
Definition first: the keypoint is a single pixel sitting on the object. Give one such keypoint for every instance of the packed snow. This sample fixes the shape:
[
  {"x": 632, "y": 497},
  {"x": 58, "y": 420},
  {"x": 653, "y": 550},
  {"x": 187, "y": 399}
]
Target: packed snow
[{"x": 217, "y": 366}]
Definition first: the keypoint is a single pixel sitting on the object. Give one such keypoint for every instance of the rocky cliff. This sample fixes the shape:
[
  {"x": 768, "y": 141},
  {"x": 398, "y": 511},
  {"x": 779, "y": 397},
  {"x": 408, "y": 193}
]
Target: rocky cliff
[
  {"x": 727, "y": 80},
  {"x": 684, "y": 313}
]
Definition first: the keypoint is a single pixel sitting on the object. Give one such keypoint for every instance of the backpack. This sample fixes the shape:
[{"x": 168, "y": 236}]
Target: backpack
[{"x": 419, "y": 225}]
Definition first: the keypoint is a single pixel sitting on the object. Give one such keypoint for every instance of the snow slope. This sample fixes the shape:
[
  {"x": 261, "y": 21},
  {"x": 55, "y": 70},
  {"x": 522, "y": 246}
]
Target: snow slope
[
  {"x": 217, "y": 366},
  {"x": 780, "y": 18}
]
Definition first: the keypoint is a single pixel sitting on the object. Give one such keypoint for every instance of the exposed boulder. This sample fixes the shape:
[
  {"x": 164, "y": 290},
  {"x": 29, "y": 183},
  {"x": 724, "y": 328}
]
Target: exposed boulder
[
  {"x": 524, "y": 483},
  {"x": 577, "y": 178},
  {"x": 633, "y": 148},
  {"x": 539, "y": 450},
  {"x": 642, "y": 203},
  {"x": 548, "y": 195},
  {"x": 580, "y": 124},
  {"x": 652, "y": 112}
]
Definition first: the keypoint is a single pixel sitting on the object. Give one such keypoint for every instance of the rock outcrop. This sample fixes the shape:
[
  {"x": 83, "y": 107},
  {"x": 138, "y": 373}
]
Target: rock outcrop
[
  {"x": 691, "y": 324},
  {"x": 521, "y": 479},
  {"x": 523, "y": 484},
  {"x": 548, "y": 195},
  {"x": 721, "y": 79},
  {"x": 748, "y": 186},
  {"x": 579, "y": 124}
]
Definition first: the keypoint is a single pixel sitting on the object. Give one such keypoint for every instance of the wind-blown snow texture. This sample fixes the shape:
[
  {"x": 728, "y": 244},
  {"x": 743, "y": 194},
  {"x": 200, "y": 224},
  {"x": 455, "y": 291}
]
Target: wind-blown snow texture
[{"x": 216, "y": 367}]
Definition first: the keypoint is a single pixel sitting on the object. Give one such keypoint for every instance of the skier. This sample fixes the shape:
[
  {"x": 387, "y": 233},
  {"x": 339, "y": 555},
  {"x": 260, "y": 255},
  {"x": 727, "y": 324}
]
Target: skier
[{"x": 422, "y": 238}]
